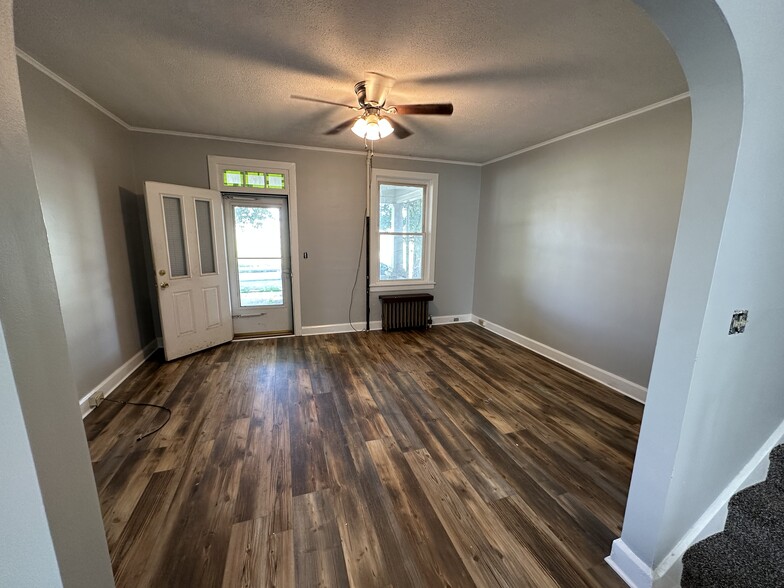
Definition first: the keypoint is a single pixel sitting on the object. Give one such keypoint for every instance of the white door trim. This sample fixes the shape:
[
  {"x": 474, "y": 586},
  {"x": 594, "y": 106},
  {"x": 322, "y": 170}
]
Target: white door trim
[{"x": 215, "y": 162}]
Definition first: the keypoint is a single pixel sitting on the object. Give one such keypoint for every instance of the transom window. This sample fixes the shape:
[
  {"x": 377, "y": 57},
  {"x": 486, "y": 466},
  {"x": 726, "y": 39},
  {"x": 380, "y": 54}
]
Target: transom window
[{"x": 403, "y": 230}]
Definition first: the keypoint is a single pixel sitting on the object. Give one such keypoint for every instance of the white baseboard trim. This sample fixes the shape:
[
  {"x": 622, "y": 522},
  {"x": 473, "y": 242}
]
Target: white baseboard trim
[
  {"x": 617, "y": 383},
  {"x": 340, "y": 328},
  {"x": 715, "y": 516},
  {"x": 637, "y": 574},
  {"x": 452, "y": 318},
  {"x": 117, "y": 376},
  {"x": 376, "y": 325},
  {"x": 631, "y": 569}
]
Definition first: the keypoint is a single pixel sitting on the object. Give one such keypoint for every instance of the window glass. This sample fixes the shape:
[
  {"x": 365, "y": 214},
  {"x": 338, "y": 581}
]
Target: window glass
[
  {"x": 276, "y": 181},
  {"x": 400, "y": 257},
  {"x": 254, "y": 179},
  {"x": 400, "y": 221},
  {"x": 232, "y": 178},
  {"x": 400, "y": 208},
  {"x": 204, "y": 225},
  {"x": 261, "y": 282},
  {"x": 175, "y": 237},
  {"x": 259, "y": 263}
]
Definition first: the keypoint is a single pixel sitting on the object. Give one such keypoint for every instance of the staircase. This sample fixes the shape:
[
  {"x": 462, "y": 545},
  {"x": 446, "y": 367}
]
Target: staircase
[{"x": 749, "y": 553}]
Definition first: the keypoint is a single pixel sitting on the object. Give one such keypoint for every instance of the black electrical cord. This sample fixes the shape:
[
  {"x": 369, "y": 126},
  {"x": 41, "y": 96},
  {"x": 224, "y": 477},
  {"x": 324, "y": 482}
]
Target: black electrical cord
[
  {"x": 168, "y": 415},
  {"x": 356, "y": 275},
  {"x": 369, "y": 151}
]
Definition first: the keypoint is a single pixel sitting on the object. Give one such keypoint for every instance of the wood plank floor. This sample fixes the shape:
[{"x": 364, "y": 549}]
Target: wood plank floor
[{"x": 450, "y": 457}]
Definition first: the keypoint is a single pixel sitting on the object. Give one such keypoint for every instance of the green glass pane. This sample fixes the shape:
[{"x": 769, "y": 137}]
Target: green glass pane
[
  {"x": 232, "y": 178},
  {"x": 254, "y": 179},
  {"x": 276, "y": 181}
]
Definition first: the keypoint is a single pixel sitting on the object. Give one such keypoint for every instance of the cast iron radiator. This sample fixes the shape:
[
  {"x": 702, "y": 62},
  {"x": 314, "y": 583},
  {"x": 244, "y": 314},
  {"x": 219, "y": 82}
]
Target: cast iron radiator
[{"x": 404, "y": 311}]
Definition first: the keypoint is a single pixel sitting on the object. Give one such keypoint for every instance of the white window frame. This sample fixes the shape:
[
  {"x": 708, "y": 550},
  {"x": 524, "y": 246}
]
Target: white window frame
[{"x": 430, "y": 182}]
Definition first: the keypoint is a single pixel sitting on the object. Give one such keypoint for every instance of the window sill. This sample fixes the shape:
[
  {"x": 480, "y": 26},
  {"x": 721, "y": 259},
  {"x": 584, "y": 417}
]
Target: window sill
[{"x": 402, "y": 287}]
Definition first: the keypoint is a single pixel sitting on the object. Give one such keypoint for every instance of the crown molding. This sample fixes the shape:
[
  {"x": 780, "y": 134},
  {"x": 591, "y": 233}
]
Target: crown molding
[
  {"x": 295, "y": 146},
  {"x": 592, "y": 127},
  {"x": 71, "y": 88}
]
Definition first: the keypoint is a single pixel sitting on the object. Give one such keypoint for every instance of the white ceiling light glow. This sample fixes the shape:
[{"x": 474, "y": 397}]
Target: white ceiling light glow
[{"x": 372, "y": 127}]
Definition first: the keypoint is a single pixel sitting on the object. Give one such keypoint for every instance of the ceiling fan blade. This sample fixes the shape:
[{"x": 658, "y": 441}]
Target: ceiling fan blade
[
  {"x": 341, "y": 127},
  {"x": 444, "y": 108},
  {"x": 307, "y": 99},
  {"x": 400, "y": 131},
  {"x": 377, "y": 87}
]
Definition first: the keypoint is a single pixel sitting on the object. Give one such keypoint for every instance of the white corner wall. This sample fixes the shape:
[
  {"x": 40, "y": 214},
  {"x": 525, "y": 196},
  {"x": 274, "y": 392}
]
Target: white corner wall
[
  {"x": 62, "y": 534},
  {"x": 715, "y": 400}
]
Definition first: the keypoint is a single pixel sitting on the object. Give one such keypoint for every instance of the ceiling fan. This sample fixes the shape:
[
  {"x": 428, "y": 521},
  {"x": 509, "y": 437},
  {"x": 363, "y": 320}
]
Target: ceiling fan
[{"x": 373, "y": 121}]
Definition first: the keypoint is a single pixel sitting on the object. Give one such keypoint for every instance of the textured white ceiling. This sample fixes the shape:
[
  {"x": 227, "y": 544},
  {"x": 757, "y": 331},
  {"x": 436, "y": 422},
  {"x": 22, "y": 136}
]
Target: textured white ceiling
[{"x": 518, "y": 72}]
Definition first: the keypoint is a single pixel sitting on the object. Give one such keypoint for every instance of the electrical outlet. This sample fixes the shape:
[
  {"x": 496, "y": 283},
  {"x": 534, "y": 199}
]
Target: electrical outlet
[
  {"x": 739, "y": 320},
  {"x": 455, "y": 320}
]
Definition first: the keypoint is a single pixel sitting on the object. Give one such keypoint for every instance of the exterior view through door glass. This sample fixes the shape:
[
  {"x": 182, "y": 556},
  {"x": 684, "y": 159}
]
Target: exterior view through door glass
[{"x": 259, "y": 265}]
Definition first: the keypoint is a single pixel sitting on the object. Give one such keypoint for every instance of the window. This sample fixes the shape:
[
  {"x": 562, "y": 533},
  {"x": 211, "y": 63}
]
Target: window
[{"x": 403, "y": 230}]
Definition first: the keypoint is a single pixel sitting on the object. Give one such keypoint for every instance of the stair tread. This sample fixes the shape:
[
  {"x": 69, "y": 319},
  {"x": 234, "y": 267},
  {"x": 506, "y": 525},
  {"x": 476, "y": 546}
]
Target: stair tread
[
  {"x": 722, "y": 561},
  {"x": 776, "y": 469},
  {"x": 764, "y": 499}
]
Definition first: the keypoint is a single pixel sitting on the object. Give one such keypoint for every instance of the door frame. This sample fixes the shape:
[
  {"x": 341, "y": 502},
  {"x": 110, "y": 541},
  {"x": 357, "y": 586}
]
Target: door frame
[
  {"x": 216, "y": 162},
  {"x": 262, "y": 201}
]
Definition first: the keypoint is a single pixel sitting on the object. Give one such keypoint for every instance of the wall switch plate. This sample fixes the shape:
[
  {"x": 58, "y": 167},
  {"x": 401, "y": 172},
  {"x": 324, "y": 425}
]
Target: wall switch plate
[{"x": 739, "y": 320}]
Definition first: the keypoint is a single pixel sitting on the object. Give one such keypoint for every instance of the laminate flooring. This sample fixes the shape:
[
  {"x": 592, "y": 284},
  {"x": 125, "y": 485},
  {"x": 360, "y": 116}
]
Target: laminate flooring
[{"x": 450, "y": 457}]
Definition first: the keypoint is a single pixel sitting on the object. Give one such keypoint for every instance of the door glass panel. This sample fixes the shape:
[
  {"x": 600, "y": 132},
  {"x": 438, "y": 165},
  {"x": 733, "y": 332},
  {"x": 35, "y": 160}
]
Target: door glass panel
[
  {"x": 204, "y": 226},
  {"x": 259, "y": 263},
  {"x": 261, "y": 282},
  {"x": 258, "y": 231},
  {"x": 175, "y": 237},
  {"x": 400, "y": 257}
]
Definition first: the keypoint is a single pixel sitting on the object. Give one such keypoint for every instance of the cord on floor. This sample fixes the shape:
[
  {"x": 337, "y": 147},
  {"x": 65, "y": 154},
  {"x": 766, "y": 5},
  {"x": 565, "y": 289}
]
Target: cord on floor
[{"x": 168, "y": 414}]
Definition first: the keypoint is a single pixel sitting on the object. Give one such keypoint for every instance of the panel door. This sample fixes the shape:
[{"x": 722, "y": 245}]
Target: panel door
[{"x": 189, "y": 255}]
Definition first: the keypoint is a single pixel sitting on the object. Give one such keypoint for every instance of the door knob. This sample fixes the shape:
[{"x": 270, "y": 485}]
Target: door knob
[{"x": 164, "y": 285}]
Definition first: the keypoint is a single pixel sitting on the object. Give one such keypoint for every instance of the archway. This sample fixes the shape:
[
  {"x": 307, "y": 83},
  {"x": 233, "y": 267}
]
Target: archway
[{"x": 712, "y": 402}]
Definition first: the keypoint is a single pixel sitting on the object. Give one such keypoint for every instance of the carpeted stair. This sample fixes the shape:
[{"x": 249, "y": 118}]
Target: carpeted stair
[{"x": 749, "y": 553}]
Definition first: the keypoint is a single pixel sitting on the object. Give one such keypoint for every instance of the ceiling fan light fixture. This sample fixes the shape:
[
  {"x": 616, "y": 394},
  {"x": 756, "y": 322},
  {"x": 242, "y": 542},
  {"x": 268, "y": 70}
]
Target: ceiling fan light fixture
[
  {"x": 359, "y": 127},
  {"x": 372, "y": 132},
  {"x": 372, "y": 127},
  {"x": 385, "y": 128}
]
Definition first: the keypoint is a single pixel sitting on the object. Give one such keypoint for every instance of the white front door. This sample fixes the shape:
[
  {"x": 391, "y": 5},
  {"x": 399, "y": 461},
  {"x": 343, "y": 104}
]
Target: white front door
[
  {"x": 189, "y": 255},
  {"x": 257, "y": 237}
]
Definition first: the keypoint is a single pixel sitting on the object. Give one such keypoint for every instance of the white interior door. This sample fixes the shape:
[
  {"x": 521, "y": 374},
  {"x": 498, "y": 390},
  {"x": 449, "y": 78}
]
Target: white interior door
[
  {"x": 257, "y": 231},
  {"x": 189, "y": 253}
]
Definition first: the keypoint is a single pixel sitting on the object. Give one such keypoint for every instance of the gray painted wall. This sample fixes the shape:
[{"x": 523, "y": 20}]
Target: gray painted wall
[
  {"x": 576, "y": 238},
  {"x": 83, "y": 164},
  {"x": 50, "y": 428},
  {"x": 331, "y": 207}
]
